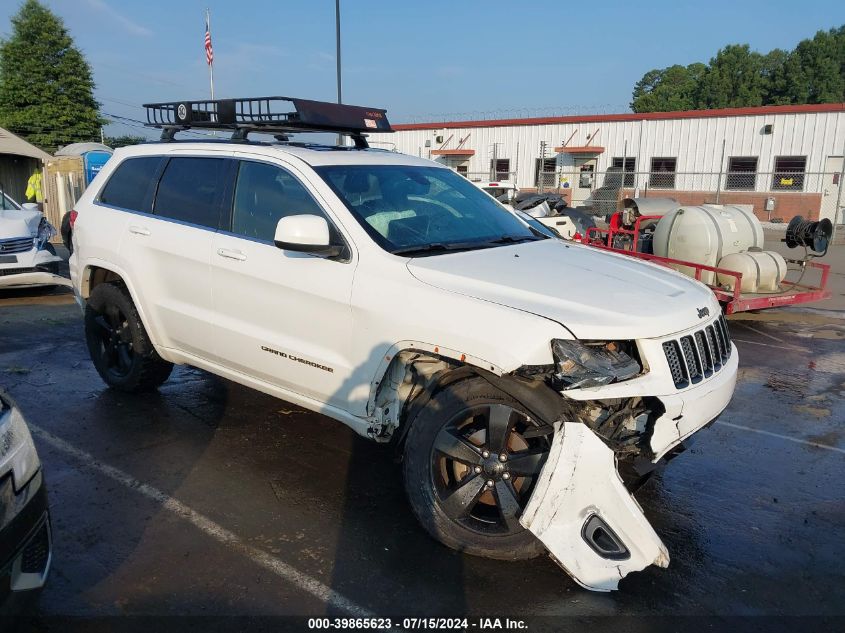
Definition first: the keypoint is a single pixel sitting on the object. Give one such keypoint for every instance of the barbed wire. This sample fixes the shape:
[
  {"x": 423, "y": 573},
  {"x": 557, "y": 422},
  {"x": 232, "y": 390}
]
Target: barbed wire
[{"x": 517, "y": 112}]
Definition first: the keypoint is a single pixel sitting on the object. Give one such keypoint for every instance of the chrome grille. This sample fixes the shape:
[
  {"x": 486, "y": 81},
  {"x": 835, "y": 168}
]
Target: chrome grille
[
  {"x": 16, "y": 245},
  {"x": 8, "y": 272},
  {"x": 699, "y": 355}
]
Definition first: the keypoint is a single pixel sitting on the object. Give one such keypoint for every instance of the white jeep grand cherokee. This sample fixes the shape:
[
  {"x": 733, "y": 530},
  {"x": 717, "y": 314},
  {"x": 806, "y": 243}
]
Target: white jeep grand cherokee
[{"x": 529, "y": 382}]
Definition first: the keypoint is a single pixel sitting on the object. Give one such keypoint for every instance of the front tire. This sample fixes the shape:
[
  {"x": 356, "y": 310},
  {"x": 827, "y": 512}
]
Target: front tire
[
  {"x": 118, "y": 344},
  {"x": 469, "y": 436}
]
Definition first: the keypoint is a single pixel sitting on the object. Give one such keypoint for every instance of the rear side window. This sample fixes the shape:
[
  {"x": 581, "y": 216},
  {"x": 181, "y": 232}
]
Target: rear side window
[
  {"x": 131, "y": 184},
  {"x": 191, "y": 189}
]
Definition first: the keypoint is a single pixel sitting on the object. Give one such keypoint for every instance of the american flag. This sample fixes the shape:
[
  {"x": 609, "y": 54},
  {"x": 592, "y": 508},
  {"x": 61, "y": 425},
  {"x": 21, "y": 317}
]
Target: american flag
[{"x": 209, "y": 51}]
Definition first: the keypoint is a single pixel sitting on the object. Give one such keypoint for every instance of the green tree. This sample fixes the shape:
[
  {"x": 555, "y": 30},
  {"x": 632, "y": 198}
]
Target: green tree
[
  {"x": 46, "y": 86},
  {"x": 822, "y": 61},
  {"x": 673, "y": 88},
  {"x": 734, "y": 79},
  {"x": 784, "y": 79},
  {"x": 122, "y": 141},
  {"x": 814, "y": 72}
]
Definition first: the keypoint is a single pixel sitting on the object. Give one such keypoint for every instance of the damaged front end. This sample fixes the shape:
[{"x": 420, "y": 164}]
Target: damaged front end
[
  {"x": 584, "y": 515},
  {"x": 582, "y": 508},
  {"x": 608, "y": 438},
  {"x": 26, "y": 256},
  {"x": 608, "y": 412}
]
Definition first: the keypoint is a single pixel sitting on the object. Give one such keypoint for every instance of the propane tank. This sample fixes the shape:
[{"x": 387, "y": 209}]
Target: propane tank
[
  {"x": 705, "y": 234},
  {"x": 762, "y": 271}
]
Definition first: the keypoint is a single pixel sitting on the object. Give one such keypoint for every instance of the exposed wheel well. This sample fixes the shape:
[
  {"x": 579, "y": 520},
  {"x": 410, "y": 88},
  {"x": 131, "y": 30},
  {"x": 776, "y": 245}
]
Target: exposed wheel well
[
  {"x": 94, "y": 276},
  {"x": 414, "y": 377}
]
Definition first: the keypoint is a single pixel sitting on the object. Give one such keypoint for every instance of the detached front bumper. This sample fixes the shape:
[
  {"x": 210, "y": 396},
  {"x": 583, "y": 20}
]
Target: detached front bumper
[{"x": 580, "y": 508}]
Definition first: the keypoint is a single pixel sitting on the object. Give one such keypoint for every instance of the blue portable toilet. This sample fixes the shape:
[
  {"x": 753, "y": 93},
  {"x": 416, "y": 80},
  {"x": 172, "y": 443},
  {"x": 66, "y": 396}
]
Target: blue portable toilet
[
  {"x": 94, "y": 156},
  {"x": 93, "y": 162}
]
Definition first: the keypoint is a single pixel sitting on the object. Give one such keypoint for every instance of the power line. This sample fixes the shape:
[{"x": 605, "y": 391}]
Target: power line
[{"x": 143, "y": 124}]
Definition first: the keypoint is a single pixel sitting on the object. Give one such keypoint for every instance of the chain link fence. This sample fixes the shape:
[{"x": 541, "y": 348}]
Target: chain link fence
[
  {"x": 773, "y": 195},
  {"x": 489, "y": 176}
]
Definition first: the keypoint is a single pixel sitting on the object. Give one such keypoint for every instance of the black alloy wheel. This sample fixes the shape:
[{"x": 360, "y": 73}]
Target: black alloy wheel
[
  {"x": 115, "y": 342},
  {"x": 484, "y": 468},
  {"x": 118, "y": 343}
]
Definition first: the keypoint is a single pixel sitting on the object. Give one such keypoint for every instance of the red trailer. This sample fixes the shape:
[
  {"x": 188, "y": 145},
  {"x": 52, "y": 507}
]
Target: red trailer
[{"x": 794, "y": 292}]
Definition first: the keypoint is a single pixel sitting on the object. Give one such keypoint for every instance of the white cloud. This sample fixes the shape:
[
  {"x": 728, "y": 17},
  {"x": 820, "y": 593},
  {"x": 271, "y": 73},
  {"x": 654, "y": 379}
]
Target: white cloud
[{"x": 126, "y": 23}]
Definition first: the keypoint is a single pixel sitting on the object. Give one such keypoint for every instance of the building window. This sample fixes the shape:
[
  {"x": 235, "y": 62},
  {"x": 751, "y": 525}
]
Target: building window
[
  {"x": 462, "y": 170},
  {"x": 789, "y": 173},
  {"x": 630, "y": 168},
  {"x": 546, "y": 167},
  {"x": 662, "y": 173},
  {"x": 500, "y": 168},
  {"x": 742, "y": 173}
]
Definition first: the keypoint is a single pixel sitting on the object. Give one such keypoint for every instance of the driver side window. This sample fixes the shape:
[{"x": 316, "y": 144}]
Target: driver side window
[{"x": 263, "y": 195}]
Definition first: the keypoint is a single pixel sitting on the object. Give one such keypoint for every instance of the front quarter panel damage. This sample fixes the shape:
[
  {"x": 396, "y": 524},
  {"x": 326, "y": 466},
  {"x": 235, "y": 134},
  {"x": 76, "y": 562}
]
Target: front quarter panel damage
[{"x": 578, "y": 481}]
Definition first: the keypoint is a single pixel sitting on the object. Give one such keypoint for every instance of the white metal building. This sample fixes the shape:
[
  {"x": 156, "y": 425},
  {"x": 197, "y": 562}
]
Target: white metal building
[{"x": 785, "y": 160}]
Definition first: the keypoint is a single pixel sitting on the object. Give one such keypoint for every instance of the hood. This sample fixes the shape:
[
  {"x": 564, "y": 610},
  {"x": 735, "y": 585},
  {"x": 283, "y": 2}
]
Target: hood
[
  {"x": 593, "y": 293},
  {"x": 19, "y": 223}
]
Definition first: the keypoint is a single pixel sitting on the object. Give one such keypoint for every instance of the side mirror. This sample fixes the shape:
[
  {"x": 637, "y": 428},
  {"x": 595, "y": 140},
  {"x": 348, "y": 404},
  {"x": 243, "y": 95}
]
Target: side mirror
[{"x": 305, "y": 234}]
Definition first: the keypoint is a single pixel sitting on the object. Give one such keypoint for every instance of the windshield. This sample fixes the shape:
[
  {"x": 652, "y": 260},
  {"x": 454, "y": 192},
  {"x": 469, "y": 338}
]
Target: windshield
[
  {"x": 408, "y": 209},
  {"x": 7, "y": 203}
]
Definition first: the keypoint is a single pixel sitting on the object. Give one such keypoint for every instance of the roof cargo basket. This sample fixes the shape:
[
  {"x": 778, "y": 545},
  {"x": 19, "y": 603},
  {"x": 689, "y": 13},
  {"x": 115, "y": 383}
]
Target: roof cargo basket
[{"x": 267, "y": 115}]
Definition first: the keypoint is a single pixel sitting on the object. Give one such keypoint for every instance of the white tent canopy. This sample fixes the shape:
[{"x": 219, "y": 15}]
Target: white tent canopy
[
  {"x": 13, "y": 144},
  {"x": 78, "y": 149}
]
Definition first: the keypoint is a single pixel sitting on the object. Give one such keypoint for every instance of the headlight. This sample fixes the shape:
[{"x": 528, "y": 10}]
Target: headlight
[
  {"x": 45, "y": 233},
  {"x": 593, "y": 363},
  {"x": 17, "y": 451}
]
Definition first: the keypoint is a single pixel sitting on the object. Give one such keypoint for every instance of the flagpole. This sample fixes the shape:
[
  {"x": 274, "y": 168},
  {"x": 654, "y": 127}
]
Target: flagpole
[{"x": 211, "y": 65}]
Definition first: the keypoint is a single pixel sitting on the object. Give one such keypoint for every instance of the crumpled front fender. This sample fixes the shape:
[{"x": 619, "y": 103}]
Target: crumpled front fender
[{"x": 578, "y": 483}]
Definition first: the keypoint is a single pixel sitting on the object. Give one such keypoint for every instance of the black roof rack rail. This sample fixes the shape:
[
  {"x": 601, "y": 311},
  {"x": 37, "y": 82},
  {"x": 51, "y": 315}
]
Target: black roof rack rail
[{"x": 268, "y": 115}]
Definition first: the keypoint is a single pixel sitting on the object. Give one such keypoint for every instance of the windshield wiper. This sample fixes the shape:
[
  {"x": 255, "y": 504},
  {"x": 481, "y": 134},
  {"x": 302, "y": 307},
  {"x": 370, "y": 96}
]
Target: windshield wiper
[
  {"x": 510, "y": 239},
  {"x": 440, "y": 247}
]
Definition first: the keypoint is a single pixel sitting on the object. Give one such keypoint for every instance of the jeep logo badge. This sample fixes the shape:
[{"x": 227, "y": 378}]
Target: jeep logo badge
[{"x": 703, "y": 312}]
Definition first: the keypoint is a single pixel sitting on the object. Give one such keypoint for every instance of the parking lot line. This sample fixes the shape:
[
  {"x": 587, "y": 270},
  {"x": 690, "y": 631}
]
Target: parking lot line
[
  {"x": 783, "y": 437},
  {"x": 788, "y": 347},
  {"x": 761, "y": 332},
  {"x": 214, "y": 530}
]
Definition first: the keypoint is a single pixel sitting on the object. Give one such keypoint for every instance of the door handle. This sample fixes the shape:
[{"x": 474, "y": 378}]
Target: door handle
[
  {"x": 139, "y": 230},
  {"x": 230, "y": 254}
]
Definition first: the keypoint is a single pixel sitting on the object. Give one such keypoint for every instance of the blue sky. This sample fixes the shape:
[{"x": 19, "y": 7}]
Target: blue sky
[{"x": 421, "y": 60}]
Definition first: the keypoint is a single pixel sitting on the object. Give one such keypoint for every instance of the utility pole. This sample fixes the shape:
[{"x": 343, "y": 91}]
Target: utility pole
[{"x": 337, "y": 45}]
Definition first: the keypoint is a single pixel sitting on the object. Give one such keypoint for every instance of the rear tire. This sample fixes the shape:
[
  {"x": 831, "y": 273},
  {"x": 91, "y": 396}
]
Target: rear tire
[
  {"x": 444, "y": 462},
  {"x": 118, "y": 344}
]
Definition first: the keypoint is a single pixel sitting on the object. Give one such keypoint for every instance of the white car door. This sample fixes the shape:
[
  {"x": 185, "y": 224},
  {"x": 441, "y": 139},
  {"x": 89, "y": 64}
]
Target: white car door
[
  {"x": 283, "y": 317},
  {"x": 169, "y": 252}
]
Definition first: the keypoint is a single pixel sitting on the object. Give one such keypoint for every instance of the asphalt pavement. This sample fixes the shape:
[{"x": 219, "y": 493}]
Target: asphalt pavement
[{"x": 209, "y": 499}]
